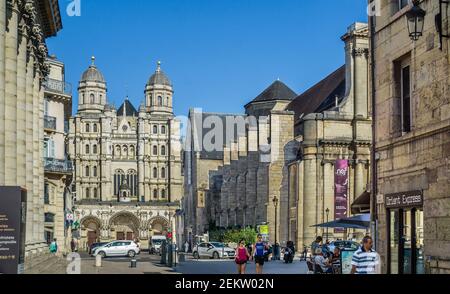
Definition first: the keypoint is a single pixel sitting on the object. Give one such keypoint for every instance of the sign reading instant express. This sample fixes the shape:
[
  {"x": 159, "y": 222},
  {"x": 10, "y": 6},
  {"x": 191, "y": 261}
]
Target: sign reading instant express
[
  {"x": 12, "y": 229},
  {"x": 404, "y": 199}
]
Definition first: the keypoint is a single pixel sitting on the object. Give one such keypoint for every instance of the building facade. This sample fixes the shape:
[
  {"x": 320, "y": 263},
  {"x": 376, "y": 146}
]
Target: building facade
[
  {"x": 127, "y": 177},
  {"x": 24, "y": 27},
  {"x": 57, "y": 168},
  {"x": 333, "y": 132},
  {"x": 412, "y": 129}
]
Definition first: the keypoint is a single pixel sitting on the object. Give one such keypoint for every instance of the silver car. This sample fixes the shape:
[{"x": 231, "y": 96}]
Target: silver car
[
  {"x": 215, "y": 250},
  {"x": 117, "y": 248}
]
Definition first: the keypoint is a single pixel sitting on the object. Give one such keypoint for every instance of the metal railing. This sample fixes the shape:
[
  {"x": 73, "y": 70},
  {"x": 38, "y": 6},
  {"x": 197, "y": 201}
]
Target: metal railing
[
  {"x": 58, "y": 86},
  {"x": 58, "y": 165},
  {"x": 49, "y": 122}
]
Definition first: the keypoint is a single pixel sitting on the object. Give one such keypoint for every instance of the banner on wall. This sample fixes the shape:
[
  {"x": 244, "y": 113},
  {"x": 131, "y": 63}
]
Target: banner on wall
[{"x": 340, "y": 191}]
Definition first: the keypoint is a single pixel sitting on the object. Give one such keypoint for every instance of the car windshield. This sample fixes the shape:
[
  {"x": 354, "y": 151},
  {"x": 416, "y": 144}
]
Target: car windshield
[
  {"x": 157, "y": 242},
  {"x": 218, "y": 245}
]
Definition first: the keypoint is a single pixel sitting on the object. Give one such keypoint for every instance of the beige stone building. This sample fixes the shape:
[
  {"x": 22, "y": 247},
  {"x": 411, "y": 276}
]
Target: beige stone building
[
  {"x": 57, "y": 168},
  {"x": 285, "y": 147},
  {"x": 412, "y": 96},
  {"x": 24, "y": 26},
  {"x": 333, "y": 130},
  {"x": 127, "y": 177}
]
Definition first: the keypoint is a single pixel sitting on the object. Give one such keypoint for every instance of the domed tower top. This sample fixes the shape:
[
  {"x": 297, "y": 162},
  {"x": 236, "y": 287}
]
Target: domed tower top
[
  {"x": 159, "y": 77},
  {"x": 159, "y": 93},
  {"x": 92, "y": 90}
]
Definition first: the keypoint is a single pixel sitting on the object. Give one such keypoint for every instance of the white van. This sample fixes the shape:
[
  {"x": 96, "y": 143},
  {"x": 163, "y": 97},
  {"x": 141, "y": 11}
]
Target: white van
[{"x": 155, "y": 244}]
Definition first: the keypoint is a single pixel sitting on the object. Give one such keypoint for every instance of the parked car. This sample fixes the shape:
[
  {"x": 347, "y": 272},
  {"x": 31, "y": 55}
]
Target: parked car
[
  {"x": 118, "y": 248},
  {"x": 95, "y": 245},
  {"x": 155, "y": 244},
  {"x": 215, "y": 250}
]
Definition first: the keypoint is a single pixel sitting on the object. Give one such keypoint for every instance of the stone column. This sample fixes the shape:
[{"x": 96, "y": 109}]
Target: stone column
[
  {"x": 2, "y": 89},
  {"x": 300, "y": 204},
  {"x": 41, "y": 163},
  {"x": 21, "y": 108},
  {"x": 37, "y": 157},
  {"x": 11, "y": 42},
  {"x": 29, "y": 143},
  {"x": 328, "y": 192},
  {"x": 359, "y": 180},
  {"x": 309, "y": 199}
]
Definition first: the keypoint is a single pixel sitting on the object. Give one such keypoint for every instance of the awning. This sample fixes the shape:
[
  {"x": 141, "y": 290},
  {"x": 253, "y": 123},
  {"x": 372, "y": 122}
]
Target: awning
[
  {"x": 361, "y": 204},
  {"x": 356, "y": 222}
]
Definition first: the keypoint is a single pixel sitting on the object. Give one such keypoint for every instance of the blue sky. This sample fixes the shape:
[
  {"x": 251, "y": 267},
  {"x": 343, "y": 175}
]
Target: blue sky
[{"x": 219, "y": 54}]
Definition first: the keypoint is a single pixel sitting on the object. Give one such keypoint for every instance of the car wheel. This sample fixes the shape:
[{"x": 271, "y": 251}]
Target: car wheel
[
  {"x": 216, "y": 255},
  {"x": 102, "y": 254},
  {"x": 196, "y": 256},
  {"x": 131, "y": 253}
]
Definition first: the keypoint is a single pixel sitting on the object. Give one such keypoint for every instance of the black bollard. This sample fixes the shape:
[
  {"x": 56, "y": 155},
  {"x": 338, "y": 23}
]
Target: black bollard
[{"x": 163, "y": 250}]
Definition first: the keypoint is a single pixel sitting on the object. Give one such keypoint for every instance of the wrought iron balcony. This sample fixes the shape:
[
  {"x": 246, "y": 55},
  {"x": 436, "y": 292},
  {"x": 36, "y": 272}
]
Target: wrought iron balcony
[
  {"x": 49, "y": 122},
  {"x": 58, "y": 86},
  {"x": 58, "y": 166}
]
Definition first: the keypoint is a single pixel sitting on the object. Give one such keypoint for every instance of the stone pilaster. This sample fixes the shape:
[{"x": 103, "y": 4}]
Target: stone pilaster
[
  {"x": 21, "y": 107},
  {"x": 11, "y": 44}
]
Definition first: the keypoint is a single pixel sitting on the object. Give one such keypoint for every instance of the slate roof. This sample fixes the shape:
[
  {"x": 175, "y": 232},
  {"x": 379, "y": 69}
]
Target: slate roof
[
  {"x": 321, "y": 96},
  {"x": 276, "y": 91},
  {"x": 128, "y": 108}
]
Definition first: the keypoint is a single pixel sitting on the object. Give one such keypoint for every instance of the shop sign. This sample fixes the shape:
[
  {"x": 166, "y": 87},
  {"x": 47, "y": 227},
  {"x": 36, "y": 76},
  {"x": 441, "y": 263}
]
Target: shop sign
[{"x": 404, "y": 199}]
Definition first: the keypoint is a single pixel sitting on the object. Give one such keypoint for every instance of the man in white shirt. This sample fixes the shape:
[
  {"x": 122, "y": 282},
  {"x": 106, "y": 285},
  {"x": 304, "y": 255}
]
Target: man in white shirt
[{"x": 322, "y": 262}]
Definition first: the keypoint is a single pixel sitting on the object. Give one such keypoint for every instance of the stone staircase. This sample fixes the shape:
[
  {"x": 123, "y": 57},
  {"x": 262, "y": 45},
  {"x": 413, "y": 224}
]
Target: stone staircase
[{"x": 46, "y": 264}]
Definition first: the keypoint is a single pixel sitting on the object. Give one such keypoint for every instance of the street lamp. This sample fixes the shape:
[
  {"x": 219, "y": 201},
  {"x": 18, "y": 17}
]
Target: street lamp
[
  {"x": 327, "y": 212},
  {"x": 275, "y": 203},
  {"x": 415, "y": 18}
]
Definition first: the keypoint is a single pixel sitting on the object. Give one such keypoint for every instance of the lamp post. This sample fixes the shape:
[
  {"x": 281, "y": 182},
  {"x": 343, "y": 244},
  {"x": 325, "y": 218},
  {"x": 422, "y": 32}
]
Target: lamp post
[
  {"x": 327, "y": 211},
  {"x": 275, "y": 203}
]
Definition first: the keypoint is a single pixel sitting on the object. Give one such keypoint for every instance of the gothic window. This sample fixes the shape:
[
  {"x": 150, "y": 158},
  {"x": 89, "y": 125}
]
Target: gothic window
[
  {"x": 155, "y": 129},
  {"x": 163, "y": 129},
  {"x": 117, "y": 152},
  {"x": 133, "y": 182},
  {"x": 155, "y": 150},
  {"x": 88, "y": 193},
  {"x": 160, "y": 101},
  {"x": 155, "y": 194},
  {"x": 88, "y": 128},
  {"x": 155, "y": 173},
  {"x": 94, "y": 171},
  {"x": 87, "y": 171},
  {"x": 163, "y": 150},
  {"x": 94, "y": 149},
  {"x": 163, "y": 193},
  {"x": 163, "y": 172},
  {"x": 95, "y": 195},
  {"x": 95, "y": 128},
  {"x": 88, "y": 149},
  {"x": 125, "y": 151},
  {"x": 92, "y": 99},
  {"x": 132, "y": 153},
  {"x": 119, "y": 176}
]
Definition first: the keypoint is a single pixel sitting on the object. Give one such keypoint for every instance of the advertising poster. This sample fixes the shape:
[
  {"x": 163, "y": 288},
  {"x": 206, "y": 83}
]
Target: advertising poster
[
  {"x": 340, "y": 191},
  {"x": 346, "y": 261}
]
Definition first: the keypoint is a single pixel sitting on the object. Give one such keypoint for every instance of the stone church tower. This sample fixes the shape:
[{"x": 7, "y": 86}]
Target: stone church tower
[{"x": 127, "y": 162}]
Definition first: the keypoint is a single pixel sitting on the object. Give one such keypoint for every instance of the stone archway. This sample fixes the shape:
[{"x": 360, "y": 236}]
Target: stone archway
[
  {"x": 90, "y": 226},
  {"x": 124, "y": 226},
  {"x": 158, "y": 226}
]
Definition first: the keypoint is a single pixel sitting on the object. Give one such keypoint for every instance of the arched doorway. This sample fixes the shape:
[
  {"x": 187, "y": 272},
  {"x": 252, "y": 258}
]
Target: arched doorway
[
  {"x": 124, "y": 226},
  {"x": 91, "y": 225},
  {"x": 158, "y": 226}
]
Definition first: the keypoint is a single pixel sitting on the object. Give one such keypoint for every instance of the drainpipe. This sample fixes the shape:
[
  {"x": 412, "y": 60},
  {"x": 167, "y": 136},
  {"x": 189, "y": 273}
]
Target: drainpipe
[{"x": 374, "y": 193}]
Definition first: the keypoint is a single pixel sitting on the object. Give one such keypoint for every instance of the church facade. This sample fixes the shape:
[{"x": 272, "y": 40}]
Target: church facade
[{"x": 127, "y": 176}]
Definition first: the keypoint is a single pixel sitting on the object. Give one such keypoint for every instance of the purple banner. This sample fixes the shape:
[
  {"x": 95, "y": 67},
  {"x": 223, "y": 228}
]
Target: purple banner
[{"x": 340, "y": 191}]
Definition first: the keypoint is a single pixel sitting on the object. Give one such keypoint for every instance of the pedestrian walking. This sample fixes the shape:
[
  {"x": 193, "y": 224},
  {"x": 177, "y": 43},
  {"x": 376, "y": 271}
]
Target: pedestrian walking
[
  {"x": 365, "y": 260},
  {"x": 73, "y": 245},
  {"x": 54, "y": 247},
  {"x": 186, "y": 247},
  {"x": 259, "y": 250},
  {"x": 242, "y": 256}
]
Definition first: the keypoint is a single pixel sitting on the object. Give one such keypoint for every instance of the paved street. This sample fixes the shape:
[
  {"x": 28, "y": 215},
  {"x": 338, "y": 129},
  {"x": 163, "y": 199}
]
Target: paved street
[{"x": 208, "y": 266}]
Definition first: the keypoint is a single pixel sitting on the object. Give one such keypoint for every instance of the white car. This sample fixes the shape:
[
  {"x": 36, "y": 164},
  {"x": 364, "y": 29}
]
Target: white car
[
  {"x": 215, "y": 250},
  {"x": 118, "y": 248}
]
